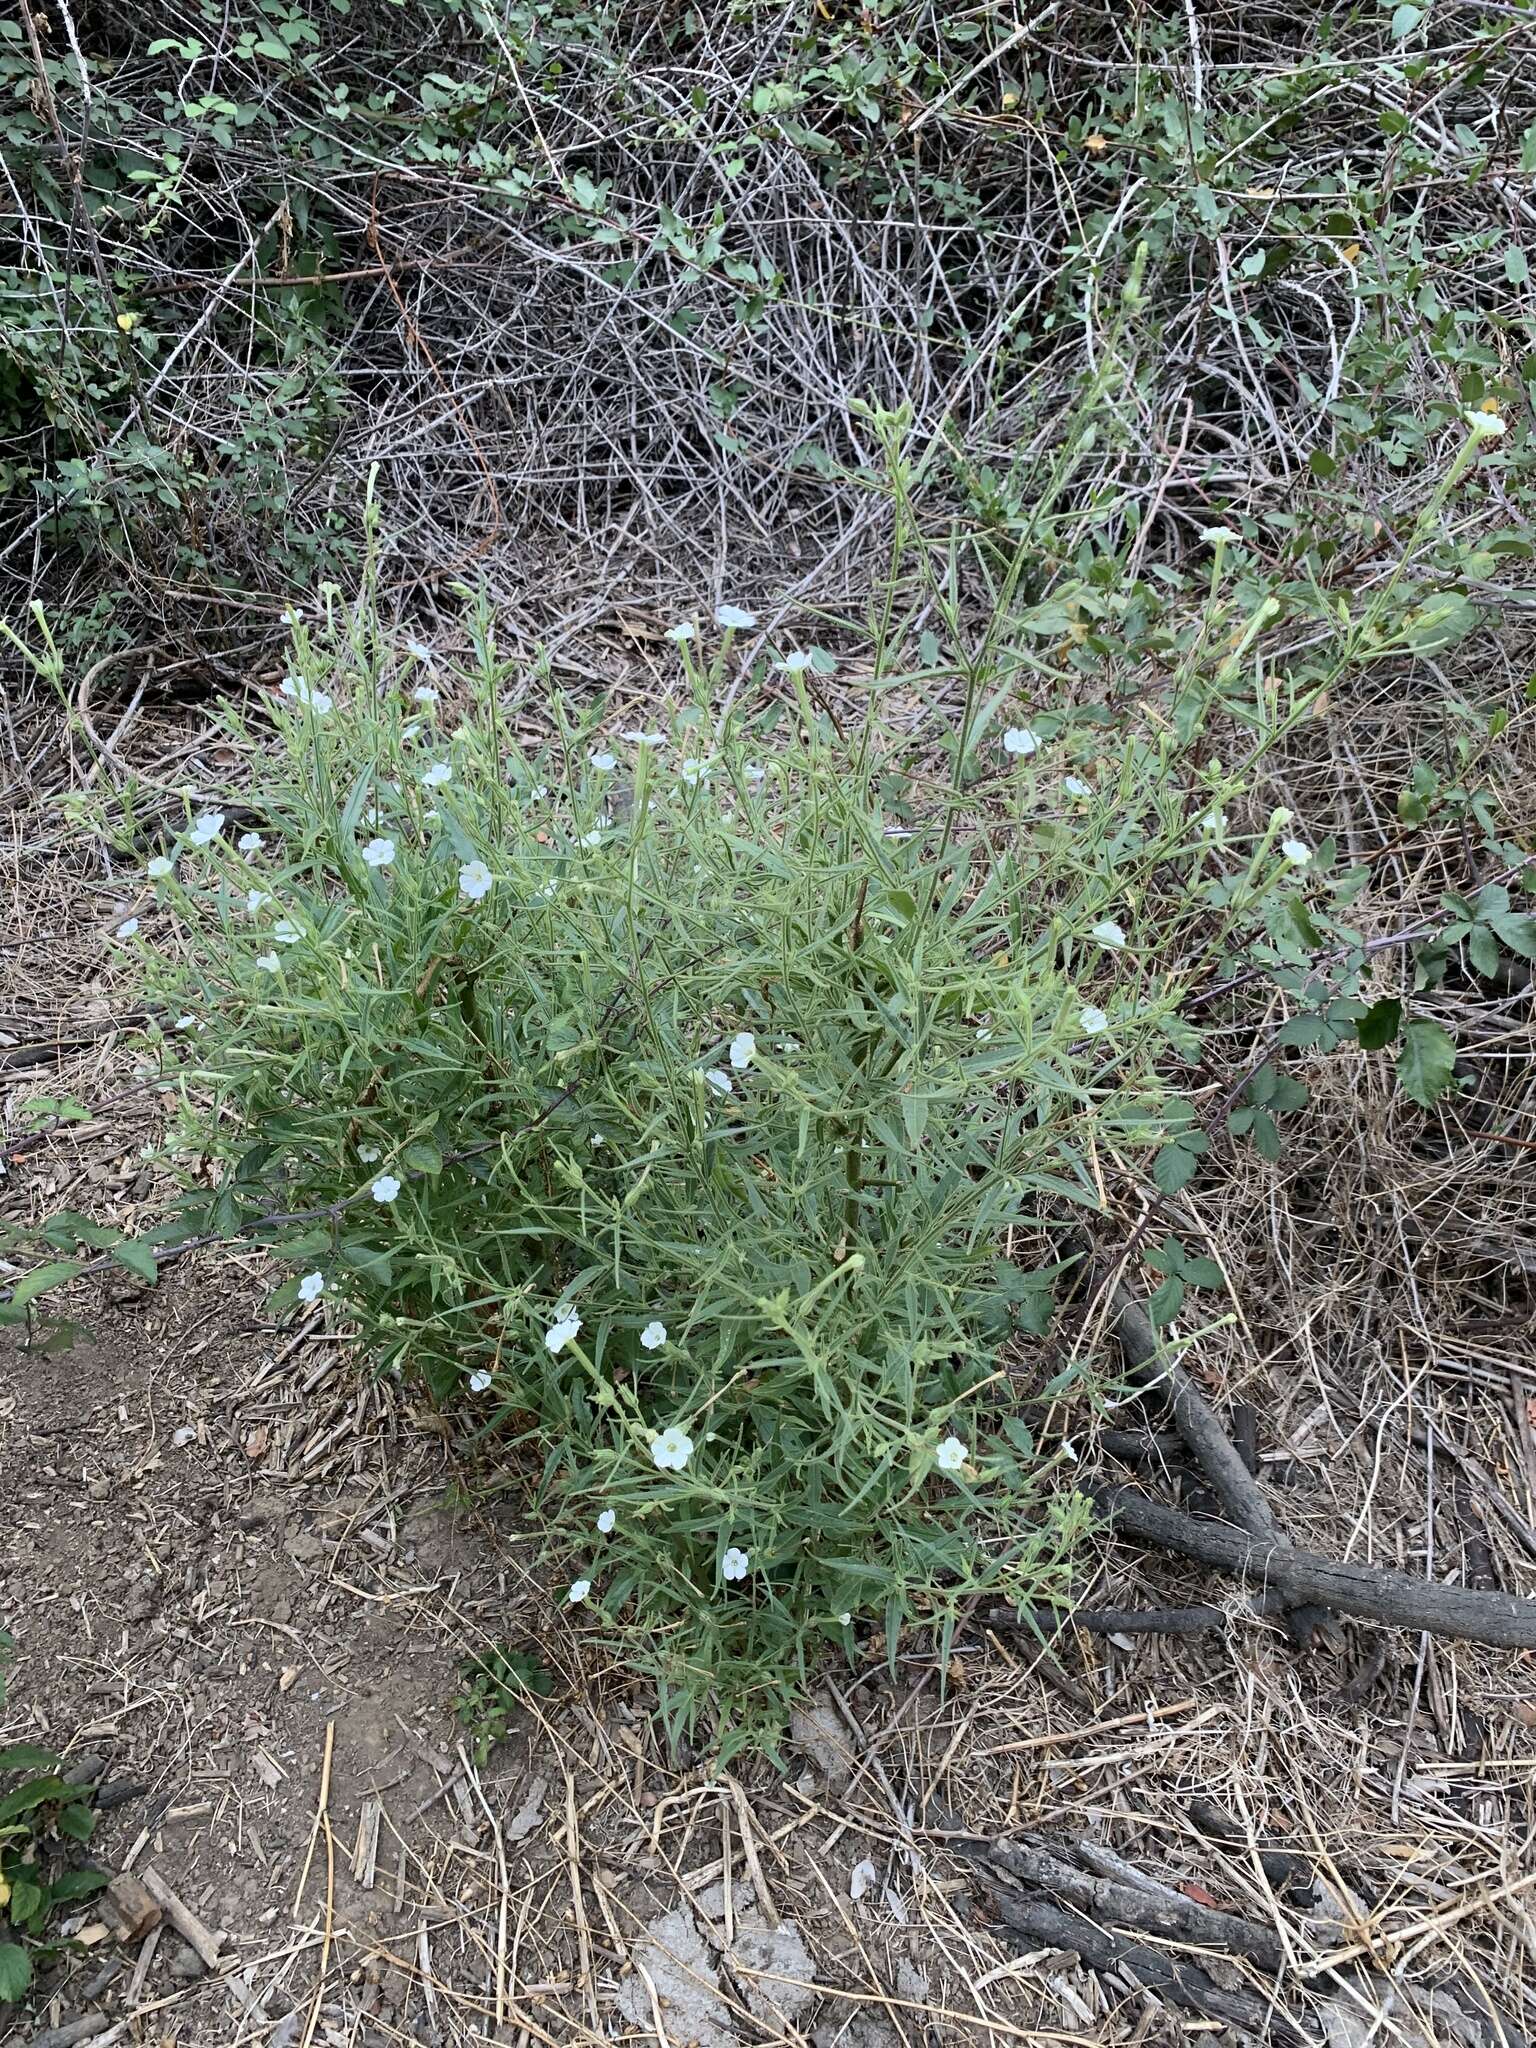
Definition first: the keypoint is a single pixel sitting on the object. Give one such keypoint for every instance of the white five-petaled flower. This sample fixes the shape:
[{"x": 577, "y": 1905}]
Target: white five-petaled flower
[
  {"x": 254, "y": 899},
  {"x": 286, "y": 932},
  {"x": 206, "y": 827},
  {"x": 695, "y": 770},
  {"x": 731, "y": 618},
  {"x": 378, "y": 853},
  {"x": 671, "y": 1450},
  {"x": 605, "y": 1522},
  {"x": 474, "y": 880},
  {"x": 592, "y": 838},
  {"x": 579, "y": 1590},
  {"x": 796, "y": 664},
  {"x": 1074, "y": 785},
  {"x": 951, "y": 1455},
  {"x": 720, "y": 1081},
  {"x": 186, "y": 1022},
  {"x": 1092, "y": 1019},
  {"x": 268, "y": 962},
  {"x": 1108, "y": 933},
  {"x": 680, "y": 634},
  {"x": 368, "y": 1154},
  {"x": 846, "y": 1620},
  {"x": 385, "y": 1188},
  {"x": 1018, "y": 739},
  {"x": 754, "y": 772},
  {"x": 1215, "y": 536},
  {"x": 479, "y": 1381},
  {"x": 654, "y": 1335},
  {"x": 604, "y": 763},
  {"x": 644, "y": 739},
  {"x": 424, "y": 694},
  {"x": 128, "y": 927},
  {"x": 1213, "y": 822},
  {"x": 1487, "y": 426},
  {"x": 159, "y": 868},
  {"x": 303, "y": 692},
  {"x": 250, "y": 842},
  {"x": 1296, "y": 851},
  {"x": 435, "y": 776},
  {"x": 539, "y": 791},
  {"x": 735, "y": 1564},
  {"x": 560, "y": 1333},
  {"x": 311, "y": 1287},
  {"x": 743, "y": 1050}
]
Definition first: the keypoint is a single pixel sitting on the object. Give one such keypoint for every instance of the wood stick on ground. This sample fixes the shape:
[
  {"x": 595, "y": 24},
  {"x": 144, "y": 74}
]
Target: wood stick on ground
[
  {"x": 1161, "y": 1913},
  {"x": 182, "y": 1918},
  {"x": 1180, "y": 1981},
  {"x": 1231, "y": 1478},
  {"x": 1366, "y": 1592}
]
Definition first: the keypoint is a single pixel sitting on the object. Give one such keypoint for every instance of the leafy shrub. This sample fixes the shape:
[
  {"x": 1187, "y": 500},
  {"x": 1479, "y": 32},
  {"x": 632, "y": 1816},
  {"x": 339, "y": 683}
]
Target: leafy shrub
[
  {"x": 666, "y": 1101},
  {"x": 41, "y": 1814}
]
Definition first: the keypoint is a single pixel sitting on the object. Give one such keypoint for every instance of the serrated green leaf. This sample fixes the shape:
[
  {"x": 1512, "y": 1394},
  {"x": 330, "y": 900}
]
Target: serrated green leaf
[
  {"x": 1380, "y": 1024},
  {"x": 1427, "y": 1062},
  {"x": 15, "y": 1972},
  {"x": 1174, "y": 1167},
  {"x": 138, "y": 1258}
]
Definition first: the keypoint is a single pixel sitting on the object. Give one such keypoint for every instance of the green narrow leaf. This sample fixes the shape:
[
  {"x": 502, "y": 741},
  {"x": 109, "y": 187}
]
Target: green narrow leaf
[
  {"x": 29, "y": 1756},
  {"x": 1427, "y": 1062}
]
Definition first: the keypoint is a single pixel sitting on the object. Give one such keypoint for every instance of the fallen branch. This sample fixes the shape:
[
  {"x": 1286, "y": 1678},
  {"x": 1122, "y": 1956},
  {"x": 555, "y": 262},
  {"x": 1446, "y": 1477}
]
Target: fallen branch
[
  {"x": 1366, "y": 1592},
  {"x": 1181, "y": 1982}
]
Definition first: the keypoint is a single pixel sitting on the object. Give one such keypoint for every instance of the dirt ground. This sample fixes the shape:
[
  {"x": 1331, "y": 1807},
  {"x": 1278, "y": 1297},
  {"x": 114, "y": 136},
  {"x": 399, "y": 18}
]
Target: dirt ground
[{"x": 243, "y": 1577}]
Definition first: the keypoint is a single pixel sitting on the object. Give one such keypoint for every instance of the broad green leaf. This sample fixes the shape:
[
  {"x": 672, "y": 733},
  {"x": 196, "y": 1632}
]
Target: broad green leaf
[
  {"x": 1380, "y": 1024},
  {"x": 15, "y": 1972},
  {"x": 1427, "y": 1062},
  {"x": 138, "y": 1258}
]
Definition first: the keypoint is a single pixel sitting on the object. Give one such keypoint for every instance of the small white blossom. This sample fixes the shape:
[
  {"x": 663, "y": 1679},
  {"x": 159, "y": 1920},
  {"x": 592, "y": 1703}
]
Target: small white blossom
[
  {"x": 423, "y": 694},
  {"x": 671, "y": 1450},
  {"x": 268, "y": 962},
  {"x": 435, "y": 776},
  {"x": 1487, "y": 426},
  {"x": 1296, "y": 852},
  {"x": 479, "y": 1381},
  {"x": 474, "y": 880},
  {"x": 603, "y": 763},
  {"x": 1018, "y": 739},
  {"x": 186, "y": 1022},
  {"x": 368, "y": 1154},
  {"x": 378, "y": 853},
  {"x": 680, "y": 634},
  {"x": 206, "y": 828},
  {"x": 385, "y": 1188},
  {"x": 731, "y": 617},
  {"x": 754, "y": 772},
  {"x": 951, "y": 1455},
  {"x": 846, "y": 1620},
  {"x": 592, "y": 838},
  {"x": 1108, "y": 934},
  {"x": 254, "y": 899},
  {"x": 596, "y": 1139},
  {"x": 286, "y": 932},
  {"x": 644, "y": 739},
  {"x": 1214, "y": 536},
  {"x": 1074, "y": 785},
  {"x": 303, "y": 693},
  {"x": 559, "y": 1334},
  {"x": 653, "y": 1336},
  {"x": 250, "y": 842},
  {"x": 580, "y": 1588},
  {"x": 420, "y": 649},
  {"x": 1214, "y": 822},
  {"x": 311, "y": 1287},
  {"x": 159, "y": 868},
  {"x": 735, "y": 1564},
  {"x": 695, "y": 770},
  {"x": 539, "y": 791},
  {"x": 796, "y": 664},
  {"x": 743, "y": 1050},
  {"x": 720, "y": 1081},
  {"x": 606, "y": 1521},
  {"x": 128, "y": 927},
  {"x": 1092, "y": 1020}
]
